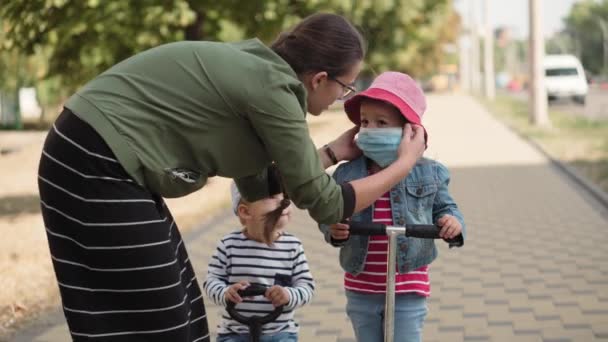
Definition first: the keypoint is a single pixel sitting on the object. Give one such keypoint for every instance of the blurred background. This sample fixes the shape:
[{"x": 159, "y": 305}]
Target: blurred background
[{"x": 539, "y": 66}]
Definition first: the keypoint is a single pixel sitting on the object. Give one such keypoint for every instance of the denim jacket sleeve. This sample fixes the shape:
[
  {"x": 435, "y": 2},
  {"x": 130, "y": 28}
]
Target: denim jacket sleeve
[
  {"x": 324, "y": 228},
  {"x": 444, "y": 202}
]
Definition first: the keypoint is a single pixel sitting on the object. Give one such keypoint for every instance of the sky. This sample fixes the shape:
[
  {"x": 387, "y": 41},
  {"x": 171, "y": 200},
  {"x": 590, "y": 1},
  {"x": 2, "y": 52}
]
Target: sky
[{"x": 514, "y": 14}]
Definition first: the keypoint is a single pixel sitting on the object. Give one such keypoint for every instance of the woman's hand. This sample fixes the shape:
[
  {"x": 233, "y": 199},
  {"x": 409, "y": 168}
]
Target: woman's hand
[
  {"x": 412, "y": 144},
  {"x": 344, "y": 146}
]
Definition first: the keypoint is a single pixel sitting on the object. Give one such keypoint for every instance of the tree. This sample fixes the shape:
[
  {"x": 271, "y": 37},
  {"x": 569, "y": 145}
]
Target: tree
[
  {"x": 265, "y": 19},
  {"x": 590, "y": 41},
  {"x": 559, "y": 43},
  {"x": 81, "y": 39},
  {"x": 405, "y": 35}
]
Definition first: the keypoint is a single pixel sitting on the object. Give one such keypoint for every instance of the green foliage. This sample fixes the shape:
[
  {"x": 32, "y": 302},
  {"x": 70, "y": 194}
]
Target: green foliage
[
  {"x": 72, "y": 41},
  {"x": 405, "y": 35},
  {"x": 265, "y": 19},
  {"x": 560, "y": 43},
  {"x": 583, "y": 26},
  {"x": 83, "y": 38}
]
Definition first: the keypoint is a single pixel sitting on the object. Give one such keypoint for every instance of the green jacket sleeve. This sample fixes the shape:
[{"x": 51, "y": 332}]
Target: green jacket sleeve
[
  {"x": 325, "y": 228},
  {"x": 279, "y": 121}
]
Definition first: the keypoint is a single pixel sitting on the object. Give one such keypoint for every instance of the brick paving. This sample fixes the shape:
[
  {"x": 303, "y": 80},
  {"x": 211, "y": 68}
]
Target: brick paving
[{"x": 534, "y": 266}]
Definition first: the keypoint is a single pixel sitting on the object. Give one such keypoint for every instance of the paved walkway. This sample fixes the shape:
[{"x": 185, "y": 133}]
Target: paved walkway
[{"x": 534, "y": 268}]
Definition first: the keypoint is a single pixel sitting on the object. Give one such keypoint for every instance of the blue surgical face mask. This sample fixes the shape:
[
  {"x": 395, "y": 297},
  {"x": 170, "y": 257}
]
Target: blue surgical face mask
[{"x": 380, "y": 144}]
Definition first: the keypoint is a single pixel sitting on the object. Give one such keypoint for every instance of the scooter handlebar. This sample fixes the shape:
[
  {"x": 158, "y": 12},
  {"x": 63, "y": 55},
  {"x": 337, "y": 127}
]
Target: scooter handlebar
[
  {"x": 421, "y": 231},
  {"x": 252, "y": 291}
]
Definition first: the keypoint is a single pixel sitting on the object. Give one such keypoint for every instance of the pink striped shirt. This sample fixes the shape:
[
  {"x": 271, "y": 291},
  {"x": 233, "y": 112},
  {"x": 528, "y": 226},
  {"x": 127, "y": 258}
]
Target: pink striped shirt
[{"x": 373, "y": 277}]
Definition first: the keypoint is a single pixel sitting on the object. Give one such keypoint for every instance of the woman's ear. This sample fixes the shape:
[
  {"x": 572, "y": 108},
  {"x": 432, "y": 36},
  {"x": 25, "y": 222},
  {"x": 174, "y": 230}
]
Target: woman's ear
[{"x": 317, "y": 79}]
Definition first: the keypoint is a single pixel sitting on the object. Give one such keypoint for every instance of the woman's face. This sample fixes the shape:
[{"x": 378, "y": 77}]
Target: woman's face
[{"x": 323, "y": 90}]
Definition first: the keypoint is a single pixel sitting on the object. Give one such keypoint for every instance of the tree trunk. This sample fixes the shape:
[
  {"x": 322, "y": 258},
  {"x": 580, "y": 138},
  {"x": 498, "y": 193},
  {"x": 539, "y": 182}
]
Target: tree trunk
[{"x": 194, "y": 31}]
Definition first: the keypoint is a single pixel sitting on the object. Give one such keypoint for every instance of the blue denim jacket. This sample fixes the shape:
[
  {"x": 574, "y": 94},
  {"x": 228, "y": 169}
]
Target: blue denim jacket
[{"x": 421, "y": 198}]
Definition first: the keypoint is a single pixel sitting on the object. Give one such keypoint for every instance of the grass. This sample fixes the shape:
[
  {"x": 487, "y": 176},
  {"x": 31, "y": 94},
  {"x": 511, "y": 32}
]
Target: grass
[{"x": 577, "y": 141}]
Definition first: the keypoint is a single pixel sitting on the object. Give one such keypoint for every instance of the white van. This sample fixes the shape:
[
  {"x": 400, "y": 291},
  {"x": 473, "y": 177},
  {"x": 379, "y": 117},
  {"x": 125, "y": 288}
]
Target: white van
[{"x": 565, "y": 78}]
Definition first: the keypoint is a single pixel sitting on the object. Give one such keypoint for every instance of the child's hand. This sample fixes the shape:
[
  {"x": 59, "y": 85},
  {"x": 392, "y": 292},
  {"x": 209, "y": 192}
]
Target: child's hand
[
  {"x": 278, "y": 295},
  {"x": 339, "y": 231},
  {"x": 232, "y": 295},
  {"x": 450, "y": 227}
]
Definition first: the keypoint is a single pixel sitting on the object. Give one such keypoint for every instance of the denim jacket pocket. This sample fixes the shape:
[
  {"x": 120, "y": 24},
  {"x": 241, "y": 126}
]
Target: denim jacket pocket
[{"x": 420, "y": 197}]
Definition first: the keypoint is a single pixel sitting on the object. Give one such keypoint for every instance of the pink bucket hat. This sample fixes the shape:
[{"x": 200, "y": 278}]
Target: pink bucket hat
[{"x": 396, "y": 88}]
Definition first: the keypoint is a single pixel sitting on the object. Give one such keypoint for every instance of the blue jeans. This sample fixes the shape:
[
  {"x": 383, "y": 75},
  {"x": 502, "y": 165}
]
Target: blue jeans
[
  {"x": 366, "y": 313},
  {"x": 278, "y": 337}
]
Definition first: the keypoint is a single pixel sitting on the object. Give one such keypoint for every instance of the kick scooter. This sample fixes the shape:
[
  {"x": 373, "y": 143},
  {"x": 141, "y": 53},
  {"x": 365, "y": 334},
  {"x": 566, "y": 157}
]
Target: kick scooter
[
  {"x": 416, "y": 231},
  {"x": 254, "y": 323}
]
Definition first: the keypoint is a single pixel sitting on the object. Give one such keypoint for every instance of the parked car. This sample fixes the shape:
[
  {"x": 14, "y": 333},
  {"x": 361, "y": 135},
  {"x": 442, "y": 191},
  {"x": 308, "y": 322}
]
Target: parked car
[{"x": 565, "y": 78}]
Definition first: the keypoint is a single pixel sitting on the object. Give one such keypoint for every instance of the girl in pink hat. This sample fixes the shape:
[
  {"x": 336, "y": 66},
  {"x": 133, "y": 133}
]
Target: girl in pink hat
[{"x": 381, "y": 111}]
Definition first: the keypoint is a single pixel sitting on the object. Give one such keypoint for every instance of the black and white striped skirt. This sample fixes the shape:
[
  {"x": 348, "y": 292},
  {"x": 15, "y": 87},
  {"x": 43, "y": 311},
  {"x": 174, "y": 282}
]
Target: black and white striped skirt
[{"x": 121, "y": 264}]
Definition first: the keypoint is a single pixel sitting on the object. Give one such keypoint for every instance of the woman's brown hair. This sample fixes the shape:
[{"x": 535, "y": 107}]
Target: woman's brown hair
[
  {"x": 275, "y": 186},
  {"x": 321, "y": 42}
]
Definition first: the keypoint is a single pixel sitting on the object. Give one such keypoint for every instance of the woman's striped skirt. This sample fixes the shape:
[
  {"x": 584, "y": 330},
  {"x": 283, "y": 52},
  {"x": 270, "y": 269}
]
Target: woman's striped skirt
[{"x": 121, "y": 264}]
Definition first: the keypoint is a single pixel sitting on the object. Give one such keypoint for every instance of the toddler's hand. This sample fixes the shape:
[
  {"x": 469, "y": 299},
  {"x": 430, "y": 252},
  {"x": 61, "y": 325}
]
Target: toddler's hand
[
  {"x": 450, "y": 227},
  {"x": 278, "y": 295},
  {"x": 339, "y": 231},
  {"x": 232, "y": 295}
]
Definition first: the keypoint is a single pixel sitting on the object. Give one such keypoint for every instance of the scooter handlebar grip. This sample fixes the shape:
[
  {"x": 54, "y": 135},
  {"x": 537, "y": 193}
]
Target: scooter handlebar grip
[
  {"x": 425, "y": 231},
  {"x": 252, "y": 291},
  {"x": 422, "y": 231},
  {"x": 367, "y": 228}
]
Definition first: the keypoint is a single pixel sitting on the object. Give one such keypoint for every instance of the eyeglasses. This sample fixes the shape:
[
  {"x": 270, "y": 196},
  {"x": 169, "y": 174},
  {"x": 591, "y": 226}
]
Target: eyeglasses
[{"x": 347, "y": 90}]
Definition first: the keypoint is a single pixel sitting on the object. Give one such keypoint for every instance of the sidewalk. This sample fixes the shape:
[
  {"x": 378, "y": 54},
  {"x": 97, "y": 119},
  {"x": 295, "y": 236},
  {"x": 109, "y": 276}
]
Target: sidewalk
[{"x": 534, "y": 266}]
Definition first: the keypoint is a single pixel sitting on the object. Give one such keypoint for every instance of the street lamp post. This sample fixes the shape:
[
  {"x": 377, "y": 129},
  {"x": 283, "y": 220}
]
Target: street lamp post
[
  {"x": 474, "y": 36},
  {"x": 488, "y": 54},
  {"x": 538, "y": 94}
]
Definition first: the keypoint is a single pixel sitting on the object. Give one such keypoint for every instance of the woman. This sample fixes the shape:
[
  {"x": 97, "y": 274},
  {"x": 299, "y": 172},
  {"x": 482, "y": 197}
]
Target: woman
[{"x": 158, "y": 125}]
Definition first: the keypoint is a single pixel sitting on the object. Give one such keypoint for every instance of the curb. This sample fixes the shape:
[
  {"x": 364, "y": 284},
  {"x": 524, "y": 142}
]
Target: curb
[
  {"x": 592, "y": 189},
  {"x": 595, "y": 191}
]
